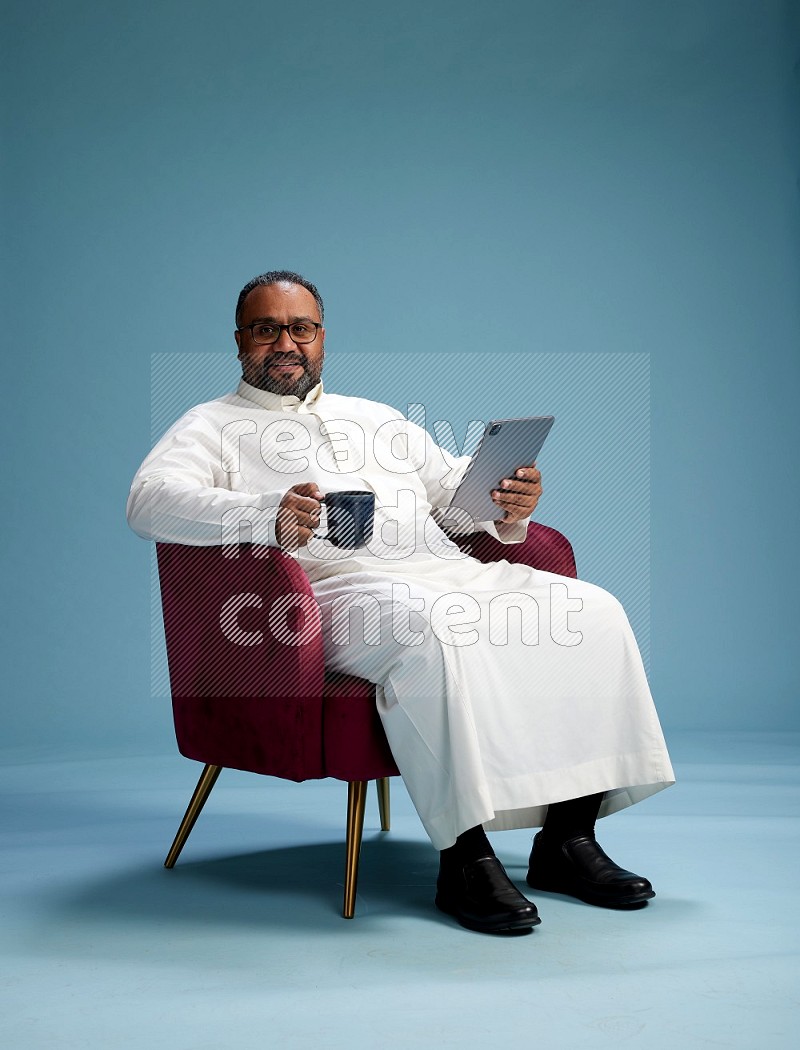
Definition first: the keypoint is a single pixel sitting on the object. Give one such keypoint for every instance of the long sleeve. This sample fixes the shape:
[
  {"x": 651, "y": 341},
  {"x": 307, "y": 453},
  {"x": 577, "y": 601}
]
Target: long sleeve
[{"x": 182, "y": 494}]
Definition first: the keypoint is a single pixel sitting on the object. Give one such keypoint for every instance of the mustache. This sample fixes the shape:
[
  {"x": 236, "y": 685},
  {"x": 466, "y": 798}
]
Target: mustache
[{"x": 283, "y": 359}]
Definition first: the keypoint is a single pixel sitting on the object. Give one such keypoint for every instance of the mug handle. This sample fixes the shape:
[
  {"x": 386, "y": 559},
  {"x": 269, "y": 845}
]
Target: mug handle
[{"x": 316, "y": 535}]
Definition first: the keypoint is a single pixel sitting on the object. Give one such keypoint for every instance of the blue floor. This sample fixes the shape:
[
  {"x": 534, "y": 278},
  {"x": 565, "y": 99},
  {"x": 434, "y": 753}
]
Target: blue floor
[{"x": 242, "y": 944}]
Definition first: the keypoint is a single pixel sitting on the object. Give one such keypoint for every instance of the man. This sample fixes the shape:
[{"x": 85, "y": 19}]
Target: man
[{"x": 490, "y": 728}]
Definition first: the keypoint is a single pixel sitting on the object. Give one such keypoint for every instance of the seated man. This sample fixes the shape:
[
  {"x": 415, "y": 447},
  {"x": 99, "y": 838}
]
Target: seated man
[{"x": 491, "y": 728}]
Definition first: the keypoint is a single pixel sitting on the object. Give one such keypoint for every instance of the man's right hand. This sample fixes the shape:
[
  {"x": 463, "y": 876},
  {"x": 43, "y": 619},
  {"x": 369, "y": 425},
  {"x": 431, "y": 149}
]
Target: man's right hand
[{"x": 298, "y": 516}]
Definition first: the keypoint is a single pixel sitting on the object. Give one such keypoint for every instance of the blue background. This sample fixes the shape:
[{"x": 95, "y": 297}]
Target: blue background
[{"x": 619, "y": 176}]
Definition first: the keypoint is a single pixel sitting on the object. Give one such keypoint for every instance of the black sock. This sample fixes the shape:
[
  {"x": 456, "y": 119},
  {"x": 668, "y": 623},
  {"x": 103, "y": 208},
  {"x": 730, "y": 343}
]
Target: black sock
[
  {"x": 470, "y": 845},
  {"x": 575, "y": 816}
]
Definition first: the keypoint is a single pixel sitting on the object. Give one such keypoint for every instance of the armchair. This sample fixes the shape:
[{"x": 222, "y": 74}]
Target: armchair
[{"x": 246, "y": 699}]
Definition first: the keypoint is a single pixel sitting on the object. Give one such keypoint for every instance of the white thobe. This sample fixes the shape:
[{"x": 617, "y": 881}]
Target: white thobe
[{"x": 501, "y": 688}]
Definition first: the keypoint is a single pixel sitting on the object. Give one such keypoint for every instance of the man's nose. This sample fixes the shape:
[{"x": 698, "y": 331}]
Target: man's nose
[{"x": 284, "y": 344}]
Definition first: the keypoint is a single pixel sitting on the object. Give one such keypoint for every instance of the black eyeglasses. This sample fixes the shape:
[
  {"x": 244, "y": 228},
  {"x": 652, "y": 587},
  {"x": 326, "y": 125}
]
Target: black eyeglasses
[{"x": 266, "y": 332}]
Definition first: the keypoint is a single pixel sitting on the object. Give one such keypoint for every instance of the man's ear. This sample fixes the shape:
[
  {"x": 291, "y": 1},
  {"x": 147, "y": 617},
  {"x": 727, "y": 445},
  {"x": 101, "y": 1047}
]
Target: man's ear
[{"x": 238, "y": 337}]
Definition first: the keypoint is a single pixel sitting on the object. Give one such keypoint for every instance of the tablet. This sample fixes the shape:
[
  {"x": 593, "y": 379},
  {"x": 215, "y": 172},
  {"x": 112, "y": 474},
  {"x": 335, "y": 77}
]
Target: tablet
[{"x": 506, "y": 445}]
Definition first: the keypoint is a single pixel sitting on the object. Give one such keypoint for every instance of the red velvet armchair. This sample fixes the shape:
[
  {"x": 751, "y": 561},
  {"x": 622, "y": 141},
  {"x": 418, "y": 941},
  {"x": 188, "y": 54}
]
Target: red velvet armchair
[{"x": 244, "y": 698}]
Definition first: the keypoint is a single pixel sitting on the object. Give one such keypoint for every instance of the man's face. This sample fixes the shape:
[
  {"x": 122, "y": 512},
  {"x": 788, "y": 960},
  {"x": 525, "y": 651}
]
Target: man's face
[{"x": 283, "y": 367}]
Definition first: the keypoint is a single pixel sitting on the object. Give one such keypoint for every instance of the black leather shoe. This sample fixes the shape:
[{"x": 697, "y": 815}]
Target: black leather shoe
[
  {"x": 580, "y": 868},
  {"x": 483, "y": 898}
]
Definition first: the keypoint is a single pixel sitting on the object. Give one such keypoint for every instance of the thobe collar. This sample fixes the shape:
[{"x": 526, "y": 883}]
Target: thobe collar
[{"x": 280, "y": 402}]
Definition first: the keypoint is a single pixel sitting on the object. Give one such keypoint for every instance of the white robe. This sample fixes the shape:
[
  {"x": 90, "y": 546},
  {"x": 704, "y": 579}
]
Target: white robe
[{"x": 501, "y": 688}]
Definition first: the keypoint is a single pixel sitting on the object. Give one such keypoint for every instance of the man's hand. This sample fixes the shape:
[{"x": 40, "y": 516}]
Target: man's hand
[
  {"x": 519, "y": 495},
  {"x": 298, "y": 516}
]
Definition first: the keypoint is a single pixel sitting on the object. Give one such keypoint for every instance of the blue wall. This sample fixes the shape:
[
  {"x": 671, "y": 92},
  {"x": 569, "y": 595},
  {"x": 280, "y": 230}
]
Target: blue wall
[{"x": 621, "y": 175}]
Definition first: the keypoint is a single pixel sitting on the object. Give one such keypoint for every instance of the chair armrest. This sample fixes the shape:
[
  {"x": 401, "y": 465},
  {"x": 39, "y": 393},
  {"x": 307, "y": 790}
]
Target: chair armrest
[
  {"x": 543, "y": 548},
  {"x": 241, "y": 696},
  {"x": 217, "y": 610}
]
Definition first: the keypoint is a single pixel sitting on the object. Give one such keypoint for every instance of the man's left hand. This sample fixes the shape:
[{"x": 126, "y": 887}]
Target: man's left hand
[{"x": 519, "y": 495}]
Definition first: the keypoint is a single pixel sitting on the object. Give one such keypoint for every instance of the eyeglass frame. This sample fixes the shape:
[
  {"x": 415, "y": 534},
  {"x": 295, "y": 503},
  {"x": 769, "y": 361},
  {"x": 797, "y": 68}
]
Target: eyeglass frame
[{"x": 249, "y": 327}]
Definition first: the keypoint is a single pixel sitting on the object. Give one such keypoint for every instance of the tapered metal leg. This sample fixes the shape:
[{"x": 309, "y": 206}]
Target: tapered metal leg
[
  {"x": 383, "y": 802},
  {"x": 356, "y": 803},
  {"x": 208, "y": 779}
]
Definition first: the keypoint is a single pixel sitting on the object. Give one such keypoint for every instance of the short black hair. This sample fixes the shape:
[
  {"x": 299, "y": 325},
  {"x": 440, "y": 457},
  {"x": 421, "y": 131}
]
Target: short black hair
[{"x": 278, "y": 277}]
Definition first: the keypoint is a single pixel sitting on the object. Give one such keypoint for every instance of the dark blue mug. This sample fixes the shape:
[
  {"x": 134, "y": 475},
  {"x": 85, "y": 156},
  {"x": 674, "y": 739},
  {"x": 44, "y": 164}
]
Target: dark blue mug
[{"x": 349, "y": 518}]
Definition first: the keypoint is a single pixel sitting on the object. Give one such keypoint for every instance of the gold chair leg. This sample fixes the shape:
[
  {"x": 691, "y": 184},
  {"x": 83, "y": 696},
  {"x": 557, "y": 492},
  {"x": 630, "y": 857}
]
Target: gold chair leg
[
  {"x": 383, "y": 802},
  {"x": 208, "y": 779},
  {"x": 356, "y": 803}
]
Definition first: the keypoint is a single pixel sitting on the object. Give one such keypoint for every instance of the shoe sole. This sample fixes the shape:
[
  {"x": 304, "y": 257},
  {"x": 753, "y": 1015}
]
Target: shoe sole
[
  {"x": 478, "y": 927},
  {"x": 603, "y": 902}
]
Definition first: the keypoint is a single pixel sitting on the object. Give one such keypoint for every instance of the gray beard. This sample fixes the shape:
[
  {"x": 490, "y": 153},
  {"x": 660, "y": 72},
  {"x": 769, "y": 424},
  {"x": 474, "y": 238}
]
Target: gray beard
[{"x": 286, "y": 387}]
